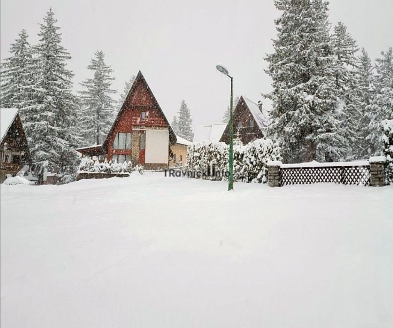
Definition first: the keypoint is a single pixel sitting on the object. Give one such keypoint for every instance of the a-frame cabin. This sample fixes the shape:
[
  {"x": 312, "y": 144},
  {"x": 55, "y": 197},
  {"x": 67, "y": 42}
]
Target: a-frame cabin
[
  {"x": 14, "y": 150},
  {"x": 140, "y": 133},
  {"x": 249, "y": 122}
]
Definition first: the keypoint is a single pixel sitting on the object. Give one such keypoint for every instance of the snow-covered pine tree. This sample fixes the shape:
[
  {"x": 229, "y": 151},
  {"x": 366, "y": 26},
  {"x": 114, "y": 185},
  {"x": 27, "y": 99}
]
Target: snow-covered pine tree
[
  {"x": 175, "y": 125},
  {"x": 50, "y": 123},
  {"x": 365, "y": 93},
  {"x": 16, "y": 75},
  {"x": 348, "y": 112},
  {"x": 185, "y": 122},
  {"x": 381, "y": 106},
  {"x": 97, "y": 103},
  {"x": 304, "y": 93},
  {"x": 126, "y": 90}
]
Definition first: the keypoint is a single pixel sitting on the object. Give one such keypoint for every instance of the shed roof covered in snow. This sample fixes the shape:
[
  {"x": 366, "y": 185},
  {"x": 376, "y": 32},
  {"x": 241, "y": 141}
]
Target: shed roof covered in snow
[
  {"x": 211, "y": 133},
  {"x": 8, "y": 116},
  {"x": 182, "y": 141}
]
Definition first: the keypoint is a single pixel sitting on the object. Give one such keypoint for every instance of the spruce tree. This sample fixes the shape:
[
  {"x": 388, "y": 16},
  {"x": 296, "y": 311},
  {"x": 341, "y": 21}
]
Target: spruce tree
[
  {"x": 97, "y": 113},
  {"x": 50, "y": 123},
  {"x": 304, "y": 93},
  {"x": 381, "y": 106},
  {"x": 365, "y": 94},
  {"x": 175, "y": 125},
  {"x": 16, "y": 76},
  {"x": 348, "y": 111},
  {"x": 126, "y": 90},
  {"x": 184, "y": 122}
]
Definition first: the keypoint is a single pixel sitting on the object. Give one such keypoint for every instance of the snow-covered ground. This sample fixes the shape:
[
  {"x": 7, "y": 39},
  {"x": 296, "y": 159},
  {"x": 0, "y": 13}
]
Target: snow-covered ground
[{"x": 149, "y": 251}]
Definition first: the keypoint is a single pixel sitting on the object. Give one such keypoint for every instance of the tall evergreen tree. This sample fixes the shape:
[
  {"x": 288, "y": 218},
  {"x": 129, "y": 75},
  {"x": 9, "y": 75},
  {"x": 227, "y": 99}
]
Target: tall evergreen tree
[
  {"x": 175, "y": 125},
  {"x": 126, "y": 90},
  {"x": 365, "y": 93},
  {"x": 381, "y": 106},
  {"x": 304, "y": 93},
  {"x": 184, "y": 122},
  {"x": 97, "y": 104},
  {"x": 49, "y": 124},
  {"x": 346, "y": 62},
  {"x": 16, "y": 75}
]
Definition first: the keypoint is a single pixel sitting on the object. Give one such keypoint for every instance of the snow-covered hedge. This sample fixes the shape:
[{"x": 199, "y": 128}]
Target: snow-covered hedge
[
  {"x": 249, "y": 160},
  {"x": 388, "y": 146},
  {"x": 88, "y": 165}
]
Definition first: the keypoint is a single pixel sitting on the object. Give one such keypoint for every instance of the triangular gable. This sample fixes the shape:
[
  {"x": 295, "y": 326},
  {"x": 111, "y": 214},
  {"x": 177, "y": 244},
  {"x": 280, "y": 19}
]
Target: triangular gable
[
  {"x": 142, "y": 89},
  {"x": 253, "y": 114}
]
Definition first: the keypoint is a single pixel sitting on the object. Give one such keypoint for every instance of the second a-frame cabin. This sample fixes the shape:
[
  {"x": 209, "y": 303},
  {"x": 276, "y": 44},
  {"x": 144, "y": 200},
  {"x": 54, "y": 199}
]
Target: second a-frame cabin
[
  {"x": 249, "y": 122},
  {"x": 140, "y": 133}
]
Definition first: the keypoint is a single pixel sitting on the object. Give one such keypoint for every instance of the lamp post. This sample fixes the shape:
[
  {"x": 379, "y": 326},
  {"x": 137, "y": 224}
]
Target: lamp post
[{"x": 224, "y": 71}]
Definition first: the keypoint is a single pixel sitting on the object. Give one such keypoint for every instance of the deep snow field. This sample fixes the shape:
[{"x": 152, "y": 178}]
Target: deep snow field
[{"x": 150, "y": 251}]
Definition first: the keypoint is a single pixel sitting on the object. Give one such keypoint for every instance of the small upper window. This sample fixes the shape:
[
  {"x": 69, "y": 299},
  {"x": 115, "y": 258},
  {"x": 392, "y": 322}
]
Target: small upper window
[
  {"x": 252, "y": 123},
  {"x": 239, "y": 125},
  {"x": 143, "y": 115}
]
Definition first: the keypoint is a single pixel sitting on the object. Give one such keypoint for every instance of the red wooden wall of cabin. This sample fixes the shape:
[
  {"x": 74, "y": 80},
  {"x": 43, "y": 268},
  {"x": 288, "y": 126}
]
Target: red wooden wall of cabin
[{"x": 130, "y": 119}]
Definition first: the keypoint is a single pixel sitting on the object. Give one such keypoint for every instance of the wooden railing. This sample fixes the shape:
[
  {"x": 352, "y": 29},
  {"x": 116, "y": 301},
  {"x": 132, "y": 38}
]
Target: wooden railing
[{"x": 150, "y": 121}]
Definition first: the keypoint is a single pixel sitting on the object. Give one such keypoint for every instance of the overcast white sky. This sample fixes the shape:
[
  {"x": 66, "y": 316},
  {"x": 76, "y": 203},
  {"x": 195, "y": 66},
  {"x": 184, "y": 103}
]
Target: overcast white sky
[{"x": 177, "y": 43}]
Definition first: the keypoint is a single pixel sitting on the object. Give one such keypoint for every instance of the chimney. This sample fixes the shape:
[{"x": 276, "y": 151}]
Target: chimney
[{"x": 260, "y": 105}]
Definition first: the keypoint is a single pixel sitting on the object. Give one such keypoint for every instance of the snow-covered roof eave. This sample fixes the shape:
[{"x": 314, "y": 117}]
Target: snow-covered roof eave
[{"x": 7, "y": 118}]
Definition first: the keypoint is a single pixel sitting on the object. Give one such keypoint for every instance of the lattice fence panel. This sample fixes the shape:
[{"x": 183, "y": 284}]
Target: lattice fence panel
[{"x": 358, "y": 175}]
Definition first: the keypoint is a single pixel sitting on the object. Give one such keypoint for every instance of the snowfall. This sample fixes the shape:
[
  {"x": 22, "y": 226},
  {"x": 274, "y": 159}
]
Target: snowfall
[{"x": 154, "y": 251}]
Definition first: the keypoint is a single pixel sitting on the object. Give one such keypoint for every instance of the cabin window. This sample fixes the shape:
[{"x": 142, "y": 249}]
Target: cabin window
[
  {"x": 122, "y": 141},
  {"x": 143, "y": 115}
]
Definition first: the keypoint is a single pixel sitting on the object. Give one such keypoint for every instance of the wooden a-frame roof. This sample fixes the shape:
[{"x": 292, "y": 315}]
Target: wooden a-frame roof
[{"x": 139, "y": 78}]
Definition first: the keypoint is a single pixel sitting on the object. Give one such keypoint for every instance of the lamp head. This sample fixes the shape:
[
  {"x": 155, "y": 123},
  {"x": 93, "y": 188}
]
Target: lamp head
[{"x": 222, "y": 69}]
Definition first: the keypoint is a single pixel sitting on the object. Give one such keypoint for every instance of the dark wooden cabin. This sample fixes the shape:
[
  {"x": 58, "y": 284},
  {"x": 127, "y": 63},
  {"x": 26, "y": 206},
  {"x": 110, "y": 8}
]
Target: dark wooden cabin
[
  {"x": 14, "y": 149},
  {"x": 140, "y": 133},
  {"x": 249, "y": 122}
]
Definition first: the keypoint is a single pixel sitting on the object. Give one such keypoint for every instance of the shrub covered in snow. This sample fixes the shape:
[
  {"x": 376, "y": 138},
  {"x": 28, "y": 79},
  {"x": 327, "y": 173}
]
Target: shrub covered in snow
[
  {"x": 88, "y": 165},
  {"x": 249, "y": 160},
  {"x": 18, "y": 180},
  {"x": 388, "y": 146}
]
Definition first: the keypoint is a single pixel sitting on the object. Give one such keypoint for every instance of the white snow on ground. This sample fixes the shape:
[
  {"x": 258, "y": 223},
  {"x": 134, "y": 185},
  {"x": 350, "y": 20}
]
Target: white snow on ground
[{"x": 149, "y": 251}]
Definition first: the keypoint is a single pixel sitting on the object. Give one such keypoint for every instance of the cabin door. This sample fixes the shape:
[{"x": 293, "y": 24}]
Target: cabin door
[{"x": 142, "y": 147}]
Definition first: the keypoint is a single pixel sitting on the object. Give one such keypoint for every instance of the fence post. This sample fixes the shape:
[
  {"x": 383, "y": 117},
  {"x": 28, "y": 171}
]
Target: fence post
[
  {"x": 377, "y": 171},
  {"x": 274, "y": 174}
]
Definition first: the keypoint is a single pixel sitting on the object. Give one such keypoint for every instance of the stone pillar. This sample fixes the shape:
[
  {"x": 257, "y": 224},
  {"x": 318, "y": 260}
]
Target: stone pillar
[
  {"x": 377, "y": 170},
  {"x": 274, "y": 175}
]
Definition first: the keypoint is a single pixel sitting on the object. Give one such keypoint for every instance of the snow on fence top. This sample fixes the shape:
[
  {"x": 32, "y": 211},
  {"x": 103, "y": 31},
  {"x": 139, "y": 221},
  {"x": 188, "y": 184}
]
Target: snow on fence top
[
  {"x": 317, "y": 164},
  {"x": 7, "y": 117},
  {"x": 378, "y": 159}
]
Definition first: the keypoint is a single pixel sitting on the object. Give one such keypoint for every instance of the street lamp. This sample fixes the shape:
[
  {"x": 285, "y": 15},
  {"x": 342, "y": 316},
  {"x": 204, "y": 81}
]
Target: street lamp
[{"x": 224, "y": 71}]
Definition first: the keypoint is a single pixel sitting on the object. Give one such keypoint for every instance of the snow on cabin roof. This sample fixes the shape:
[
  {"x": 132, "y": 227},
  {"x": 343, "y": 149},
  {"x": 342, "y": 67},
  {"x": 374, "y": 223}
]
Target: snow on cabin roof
[
  {"x": 88, "y": 147},
  {"x": 183, "y": 141},
  {"x": 7, "y": 118},
  {"x": 211, "y": 133},
  {"x": 259, "y": 117}
]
